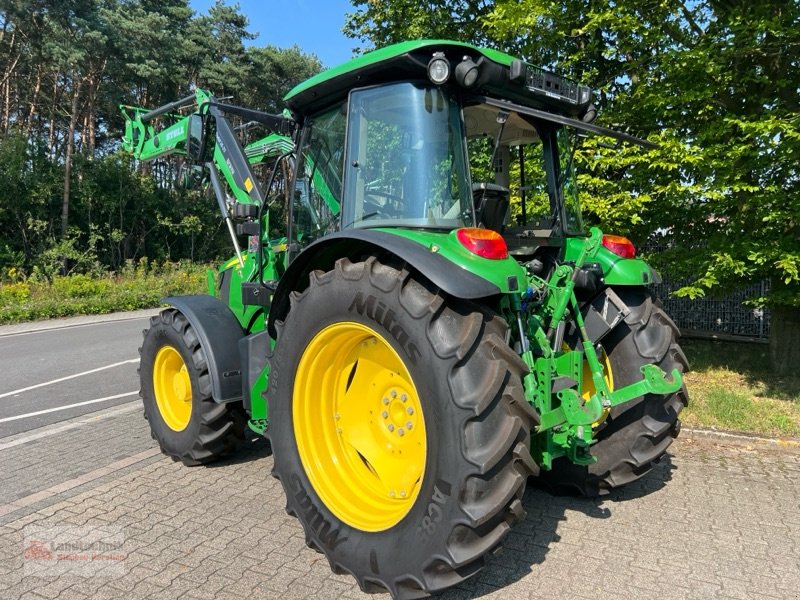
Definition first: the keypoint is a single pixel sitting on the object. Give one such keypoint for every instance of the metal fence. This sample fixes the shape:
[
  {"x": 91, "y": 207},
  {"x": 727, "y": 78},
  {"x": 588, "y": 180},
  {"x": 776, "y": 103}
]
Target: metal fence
[{"x": 726, "y": 315}]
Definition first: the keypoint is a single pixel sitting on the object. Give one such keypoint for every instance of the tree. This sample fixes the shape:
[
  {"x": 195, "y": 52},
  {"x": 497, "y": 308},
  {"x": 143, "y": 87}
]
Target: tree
[
  {"x": 273, "y": 72},
  {"x": 715, "y": 83},
  {"x": 64, "y": 69}
]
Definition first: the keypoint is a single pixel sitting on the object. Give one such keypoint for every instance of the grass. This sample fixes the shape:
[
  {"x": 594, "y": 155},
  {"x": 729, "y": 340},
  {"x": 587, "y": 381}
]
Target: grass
[
  {"x": 140, "y": 285},
  {"x": 731, "y": 387}
]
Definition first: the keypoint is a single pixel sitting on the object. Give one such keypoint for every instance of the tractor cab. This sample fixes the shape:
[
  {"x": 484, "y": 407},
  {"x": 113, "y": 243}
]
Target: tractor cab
[{"x": 422, "y": 135}]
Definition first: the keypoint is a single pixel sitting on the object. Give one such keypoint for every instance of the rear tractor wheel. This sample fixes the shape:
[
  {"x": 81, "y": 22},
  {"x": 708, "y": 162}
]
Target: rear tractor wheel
[
  {"x": 176, "y": 392},
  {"x": 399, "y": 428},
  {"x": 634, "y": 436}
]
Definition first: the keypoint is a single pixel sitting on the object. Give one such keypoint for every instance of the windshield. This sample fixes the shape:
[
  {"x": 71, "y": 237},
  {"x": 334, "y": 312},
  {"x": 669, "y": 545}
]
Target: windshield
[{"x": 406, "y": 162}]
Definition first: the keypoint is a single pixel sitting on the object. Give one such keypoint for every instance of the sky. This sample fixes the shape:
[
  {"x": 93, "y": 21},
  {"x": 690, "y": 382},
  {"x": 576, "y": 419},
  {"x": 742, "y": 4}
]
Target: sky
[{"x": 313, "y": 25}]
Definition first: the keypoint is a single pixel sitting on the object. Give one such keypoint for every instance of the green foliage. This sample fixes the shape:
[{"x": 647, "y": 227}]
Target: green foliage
[
  {"x": 379, "y": 24},
  {"x": 713, "y": 83},
  {"x": 138, "y": 285},
  {"x": 64, "y": 69}
]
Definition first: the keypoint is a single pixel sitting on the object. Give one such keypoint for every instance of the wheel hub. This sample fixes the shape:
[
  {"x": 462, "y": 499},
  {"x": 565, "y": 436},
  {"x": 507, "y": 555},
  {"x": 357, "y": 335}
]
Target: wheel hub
[
  {"x": 398, "y": 415},
  {"x": 172, "y": 388},
  {"x": 359, "y": 426}
]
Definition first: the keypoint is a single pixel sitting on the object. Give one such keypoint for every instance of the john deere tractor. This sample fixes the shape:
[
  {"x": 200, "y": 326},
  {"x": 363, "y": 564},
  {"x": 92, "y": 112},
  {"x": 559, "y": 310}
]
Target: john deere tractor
[{"x": 414, "y": 344}]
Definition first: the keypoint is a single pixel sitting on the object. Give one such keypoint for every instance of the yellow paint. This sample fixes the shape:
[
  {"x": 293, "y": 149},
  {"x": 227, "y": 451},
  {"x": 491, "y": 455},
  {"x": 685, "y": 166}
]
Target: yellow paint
[
  {"x": 248, "y": 185},
  {"x": 359, "y": 426},
  {"x": 172, "y": 387},
  {"x": 233, "y": 262}
]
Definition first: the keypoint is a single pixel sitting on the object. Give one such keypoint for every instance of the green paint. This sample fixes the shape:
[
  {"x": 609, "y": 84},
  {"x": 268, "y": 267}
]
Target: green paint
[
  {"x": 499, "y": 272},
  {"x": 389, "y": 52},
  {"x": 616, "y": 270},
  {"x": 212, "y": 288}
]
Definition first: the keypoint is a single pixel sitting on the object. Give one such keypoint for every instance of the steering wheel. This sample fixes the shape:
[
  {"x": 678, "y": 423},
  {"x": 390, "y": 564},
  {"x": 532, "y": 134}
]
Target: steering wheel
[{"x": 388, "y": 208}]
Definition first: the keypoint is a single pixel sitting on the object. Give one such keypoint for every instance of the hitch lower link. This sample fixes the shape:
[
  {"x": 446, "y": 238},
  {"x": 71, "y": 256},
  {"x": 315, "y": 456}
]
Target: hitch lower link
[{"x": 570, "y": 426}]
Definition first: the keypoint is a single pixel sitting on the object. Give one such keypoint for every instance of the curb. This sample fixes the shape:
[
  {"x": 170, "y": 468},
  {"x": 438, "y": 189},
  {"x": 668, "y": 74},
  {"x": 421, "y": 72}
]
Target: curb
[
  {"x": 34, "y": 326},
  {"x": 740, "y": 439}
]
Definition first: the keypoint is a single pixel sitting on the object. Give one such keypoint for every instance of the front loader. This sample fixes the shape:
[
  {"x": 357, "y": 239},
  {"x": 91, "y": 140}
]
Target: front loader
[{"x": 413, "y": 350}]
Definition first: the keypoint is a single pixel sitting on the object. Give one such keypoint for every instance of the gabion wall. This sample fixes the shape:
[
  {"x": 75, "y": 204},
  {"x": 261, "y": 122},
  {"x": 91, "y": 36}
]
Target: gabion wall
[{"x": 725, "y": 314}]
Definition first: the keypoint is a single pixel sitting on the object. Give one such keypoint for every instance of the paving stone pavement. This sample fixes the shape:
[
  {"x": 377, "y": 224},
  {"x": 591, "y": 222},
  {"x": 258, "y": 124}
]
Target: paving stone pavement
[{"x": 711, "y": 521}]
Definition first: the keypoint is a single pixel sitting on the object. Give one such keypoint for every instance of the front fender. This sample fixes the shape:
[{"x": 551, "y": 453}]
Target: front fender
[
  {"x": 219, "y": 332},
  {"x": 354, "y": 244}
]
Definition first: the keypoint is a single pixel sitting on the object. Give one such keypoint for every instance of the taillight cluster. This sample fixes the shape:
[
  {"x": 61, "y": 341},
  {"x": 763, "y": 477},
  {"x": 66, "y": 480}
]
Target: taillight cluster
[{"x": 483, "y": 242}]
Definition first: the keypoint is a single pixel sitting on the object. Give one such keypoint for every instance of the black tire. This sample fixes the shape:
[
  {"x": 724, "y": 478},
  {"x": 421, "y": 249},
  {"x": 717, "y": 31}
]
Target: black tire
[
  {"x": 477, "y": 429},
  {"x": 636, "y": 434},
  {"x": 213, "y": 430}
]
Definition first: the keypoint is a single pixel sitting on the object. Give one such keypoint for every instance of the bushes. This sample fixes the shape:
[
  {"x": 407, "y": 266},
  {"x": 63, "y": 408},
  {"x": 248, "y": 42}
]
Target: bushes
[{"x": 135, "y": 286}]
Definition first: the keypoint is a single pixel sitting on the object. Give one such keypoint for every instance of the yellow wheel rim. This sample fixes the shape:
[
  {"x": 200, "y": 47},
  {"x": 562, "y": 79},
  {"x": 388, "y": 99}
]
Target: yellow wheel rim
[
  {"x": 589, "y": 388},
  {"x": 359, "y": 426},
  {"x": 172, "y": 388}
]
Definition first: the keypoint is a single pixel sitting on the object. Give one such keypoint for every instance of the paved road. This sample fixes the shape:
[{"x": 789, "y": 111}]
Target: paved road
[
  {"x": 711, "y": 521},
  {"x": 77, "y": 363}
]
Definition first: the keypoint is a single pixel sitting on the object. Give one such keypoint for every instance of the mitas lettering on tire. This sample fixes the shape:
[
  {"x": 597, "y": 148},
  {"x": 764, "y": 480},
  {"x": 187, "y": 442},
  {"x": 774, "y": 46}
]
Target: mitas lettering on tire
[
  {"x": 403, "y": 425},
  {"x": 377, "y": 311}
]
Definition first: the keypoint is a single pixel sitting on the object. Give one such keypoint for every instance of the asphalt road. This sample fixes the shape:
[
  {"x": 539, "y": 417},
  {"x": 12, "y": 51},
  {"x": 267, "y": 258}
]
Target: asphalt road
[{"x": 50, "y": 375}]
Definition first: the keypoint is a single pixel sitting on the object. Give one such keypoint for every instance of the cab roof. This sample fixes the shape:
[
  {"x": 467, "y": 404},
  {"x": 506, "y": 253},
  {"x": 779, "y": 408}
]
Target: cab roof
[
  {"x": 499, "y": 75},
  {"x": 403, "y": 61}
]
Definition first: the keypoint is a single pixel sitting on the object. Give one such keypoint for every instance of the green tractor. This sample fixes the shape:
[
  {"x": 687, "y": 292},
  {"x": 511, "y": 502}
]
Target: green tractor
[{"x": 412, "y": 350}]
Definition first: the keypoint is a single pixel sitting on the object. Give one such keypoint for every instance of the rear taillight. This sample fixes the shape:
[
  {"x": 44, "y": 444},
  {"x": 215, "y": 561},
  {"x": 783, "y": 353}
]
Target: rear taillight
[
  {"x": 619, "y": 245},
  {"x": 483, "y": 242}
]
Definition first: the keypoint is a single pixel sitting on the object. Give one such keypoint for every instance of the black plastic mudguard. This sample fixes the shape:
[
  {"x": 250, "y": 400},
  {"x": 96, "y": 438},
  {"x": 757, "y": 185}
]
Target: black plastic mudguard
[
  {"x": 219, "y": 333},
  {"x": 356, "y": 244}
]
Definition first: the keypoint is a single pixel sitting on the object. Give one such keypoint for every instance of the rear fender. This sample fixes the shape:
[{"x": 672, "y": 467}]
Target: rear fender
[
  {"x": 355, "y": 244},
  {"x": 219, "y": 333},
  {"x": 616, "y": 270}
]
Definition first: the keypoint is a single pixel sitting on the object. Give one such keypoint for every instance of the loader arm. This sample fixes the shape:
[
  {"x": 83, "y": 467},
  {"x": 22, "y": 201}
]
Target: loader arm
[{"x": 222, "y": 157}]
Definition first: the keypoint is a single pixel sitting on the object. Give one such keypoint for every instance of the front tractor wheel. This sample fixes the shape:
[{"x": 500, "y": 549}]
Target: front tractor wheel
[
  {"x": 399, "y": 428},
  {"x": 176, "y": 392}
]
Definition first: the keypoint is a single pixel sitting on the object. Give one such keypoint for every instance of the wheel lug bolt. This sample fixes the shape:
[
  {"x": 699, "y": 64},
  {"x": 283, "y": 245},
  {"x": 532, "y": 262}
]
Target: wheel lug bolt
[
  {"x": 338, "y": 430},
  {"x": 394, "y": 394},
  {"x": 391, "y": 494},
  {"x": 390, "y": 427},
  {"x": 409, "y": 425},
  {"x": 337, "y": 416},
  {"x": 386, "y": 401},
  {"x": 385, "y": 415},
  {"x": 400, "y": 432},
  {"x": 404, "y": 397},
  {"x": 402, "y": 493},
  {"x": 410, "y": 410}
]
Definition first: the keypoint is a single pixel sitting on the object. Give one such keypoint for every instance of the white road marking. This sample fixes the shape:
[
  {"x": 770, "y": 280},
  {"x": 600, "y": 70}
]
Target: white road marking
[
  {"x": 60, "y": 379},
  {"x": 67, "y": 407},
  {"x": 49, "y": 430}
]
